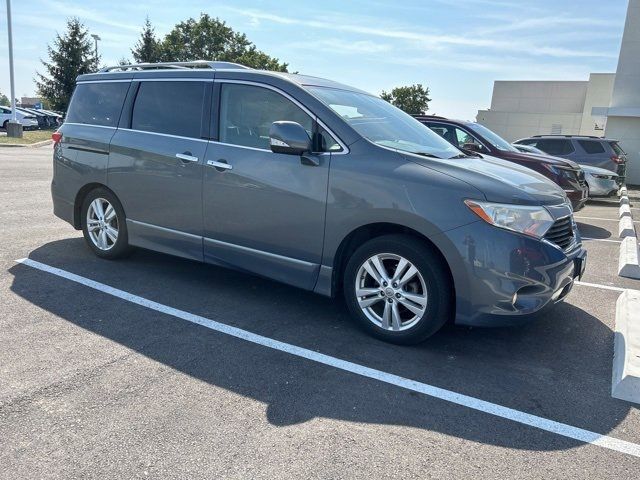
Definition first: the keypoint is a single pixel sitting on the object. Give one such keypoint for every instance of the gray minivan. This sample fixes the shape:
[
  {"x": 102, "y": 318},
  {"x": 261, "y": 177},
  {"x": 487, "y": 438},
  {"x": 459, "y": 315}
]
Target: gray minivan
[{"x": 315, "y": 184}]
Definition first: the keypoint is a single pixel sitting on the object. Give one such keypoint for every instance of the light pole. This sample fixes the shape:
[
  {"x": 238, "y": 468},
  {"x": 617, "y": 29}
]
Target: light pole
[
  {"x": 96, "y": 38},
  {"x": 14, "y": 128}
]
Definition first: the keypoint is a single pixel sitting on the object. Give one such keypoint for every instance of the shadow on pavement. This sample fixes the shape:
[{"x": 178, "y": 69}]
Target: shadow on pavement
[
  {"x": 591, "y": 231},
  {"x": 558, "y": 367}
]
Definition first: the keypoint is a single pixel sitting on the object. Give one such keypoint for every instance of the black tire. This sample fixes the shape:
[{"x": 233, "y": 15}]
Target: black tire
[
  {"x": 440, "y": 294},
  {"x": 5, "y": 124},
  {"x": 121, "y": 247}
]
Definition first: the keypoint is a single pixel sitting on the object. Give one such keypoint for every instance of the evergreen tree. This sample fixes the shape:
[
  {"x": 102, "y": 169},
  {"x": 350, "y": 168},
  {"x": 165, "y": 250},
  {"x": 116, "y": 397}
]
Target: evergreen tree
[
  {"x": 210, "y": 38},
  {"x": 147, "y": 50},
  {"x": 4, "y": 100},
  {"x": 71, "y": 55}
]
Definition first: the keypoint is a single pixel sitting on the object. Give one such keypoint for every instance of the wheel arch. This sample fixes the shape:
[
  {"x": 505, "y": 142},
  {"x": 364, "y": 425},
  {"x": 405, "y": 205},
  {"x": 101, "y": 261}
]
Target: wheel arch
[
  {"x": 81, "y": 195},
  {"x": 364, "y": 233}
]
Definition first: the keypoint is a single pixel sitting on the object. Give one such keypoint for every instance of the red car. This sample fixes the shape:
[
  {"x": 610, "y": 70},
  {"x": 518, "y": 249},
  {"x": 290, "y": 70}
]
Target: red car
[{"x": 472, "y": 136}]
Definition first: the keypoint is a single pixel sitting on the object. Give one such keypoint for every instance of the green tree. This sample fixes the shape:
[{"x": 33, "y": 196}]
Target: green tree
[
  {"x": 72, "y": 54},
  {"x": 413, "y": 99},
  {"x": 4, "y": 100},
  {"x": 209, "y": 38},
  {"x": 147, "y": 50}
]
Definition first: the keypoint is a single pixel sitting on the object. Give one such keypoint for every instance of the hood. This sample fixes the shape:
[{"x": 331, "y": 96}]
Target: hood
[
  {"x": 597, "y": 170},
  {"x": 534, "y": 157},
  {"x": 499, "y": 180}
]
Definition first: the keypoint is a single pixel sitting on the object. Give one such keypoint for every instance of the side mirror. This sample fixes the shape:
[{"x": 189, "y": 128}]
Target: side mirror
[
  {"x": 473, "y": 147},
  {"x": 289, "y": 137}
]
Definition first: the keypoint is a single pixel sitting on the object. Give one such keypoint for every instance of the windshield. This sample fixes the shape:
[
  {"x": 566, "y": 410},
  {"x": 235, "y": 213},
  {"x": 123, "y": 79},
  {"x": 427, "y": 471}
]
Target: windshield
[
  {"x": 383, "y": 124},
  {"x": 493, "y": 138}
]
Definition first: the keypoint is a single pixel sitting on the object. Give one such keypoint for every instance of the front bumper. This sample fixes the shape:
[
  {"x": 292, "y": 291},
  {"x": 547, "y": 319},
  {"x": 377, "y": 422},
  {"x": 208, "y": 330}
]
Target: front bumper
[{"x": 504, "y": 278}]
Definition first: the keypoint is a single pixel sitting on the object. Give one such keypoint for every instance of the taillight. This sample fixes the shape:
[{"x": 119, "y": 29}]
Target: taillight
[
  {"x": 56, "y": 137},
  {"x": 616, "y": 159}
]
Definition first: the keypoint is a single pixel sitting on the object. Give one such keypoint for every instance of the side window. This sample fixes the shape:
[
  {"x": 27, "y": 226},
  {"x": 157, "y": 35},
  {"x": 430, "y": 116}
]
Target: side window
[
  {"x": 554, "y": 146},
  {"x": 591, "y": 147},
  {"x": 172, "y": 108},
  {"x": 247, "y": 112},
  {"x": 465, "y": 138},
  {"x": 97, "y": 103}
]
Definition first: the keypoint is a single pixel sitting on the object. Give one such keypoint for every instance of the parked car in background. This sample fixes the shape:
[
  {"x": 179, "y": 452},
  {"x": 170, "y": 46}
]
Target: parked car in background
[
  {"x": 528, "y": 149},
  {"x": 584, "y": 150},
  {"x": 54, "y": 117},
  {"x": 315, "y": 184},
  {"x": 600, "y": 181},
  {"x": 41, "y": 118},
  {"x": 28, "y": 121},
  {"x": 474, "y": 137}
]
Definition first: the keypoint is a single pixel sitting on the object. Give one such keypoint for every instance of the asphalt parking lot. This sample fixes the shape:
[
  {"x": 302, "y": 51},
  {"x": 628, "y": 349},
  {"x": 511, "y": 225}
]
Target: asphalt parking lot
[{"x": 93, "y": 385}]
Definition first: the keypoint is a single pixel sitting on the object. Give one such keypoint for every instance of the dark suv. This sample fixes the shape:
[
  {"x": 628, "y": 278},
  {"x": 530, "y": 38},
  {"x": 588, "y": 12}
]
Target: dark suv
[
  {"x": 585, "y": 150},
  {"x": 315, "y": 184},
  {"x": 472, "y": 136}
]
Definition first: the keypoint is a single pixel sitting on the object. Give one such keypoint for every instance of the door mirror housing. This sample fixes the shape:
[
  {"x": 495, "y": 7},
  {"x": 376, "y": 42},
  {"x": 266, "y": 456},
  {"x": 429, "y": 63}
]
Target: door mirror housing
[
  {"x": 473, "y": 147},
  {"x": 289, "y": 137}
]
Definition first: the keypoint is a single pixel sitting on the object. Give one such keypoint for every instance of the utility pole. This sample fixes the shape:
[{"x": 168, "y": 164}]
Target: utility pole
[
  {"x": 96, "y": 38},
  {"x": 14, "y": 128}
]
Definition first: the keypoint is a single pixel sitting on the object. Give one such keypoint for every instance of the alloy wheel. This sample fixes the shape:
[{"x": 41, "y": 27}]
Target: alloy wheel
[
  {"x": 391, "y": 292},
  {"x": 102, "y": 224}
]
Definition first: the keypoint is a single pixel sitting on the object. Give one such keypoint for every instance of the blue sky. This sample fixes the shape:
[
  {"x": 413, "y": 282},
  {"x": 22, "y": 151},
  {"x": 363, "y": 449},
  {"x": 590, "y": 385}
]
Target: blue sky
[{"x": 455, "y": 47}]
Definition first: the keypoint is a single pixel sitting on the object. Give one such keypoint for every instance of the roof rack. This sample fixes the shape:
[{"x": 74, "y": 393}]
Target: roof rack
[
  {"x": 565, "y": 136},
  {"x": 175, "y": 65}
]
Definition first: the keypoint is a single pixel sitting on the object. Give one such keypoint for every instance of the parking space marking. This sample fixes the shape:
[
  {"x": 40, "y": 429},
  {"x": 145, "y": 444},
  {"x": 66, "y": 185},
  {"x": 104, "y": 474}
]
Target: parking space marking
[
  {"x": 473, "y": 403},
  {"x": 589, "y": 239},
  {"x": 597, "y": 285},
  {"x": 603, "y": 219}
]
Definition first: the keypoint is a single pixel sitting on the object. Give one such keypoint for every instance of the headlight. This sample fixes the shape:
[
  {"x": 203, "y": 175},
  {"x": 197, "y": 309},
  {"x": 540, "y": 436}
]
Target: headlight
[
  {"x": 532, "y": 221},
  {"x": 605, "y": 177}
]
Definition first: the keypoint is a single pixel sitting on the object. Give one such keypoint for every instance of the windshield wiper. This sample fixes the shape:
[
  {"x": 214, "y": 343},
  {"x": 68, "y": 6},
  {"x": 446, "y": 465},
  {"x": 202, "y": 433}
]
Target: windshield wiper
[{"x": 425, "y": 154}]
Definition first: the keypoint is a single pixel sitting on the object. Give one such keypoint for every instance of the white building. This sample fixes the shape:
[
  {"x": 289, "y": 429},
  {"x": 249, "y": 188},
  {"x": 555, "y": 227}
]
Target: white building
[
  {"x": 606, "y": 104},
  {"x": 524, "y": 108}
]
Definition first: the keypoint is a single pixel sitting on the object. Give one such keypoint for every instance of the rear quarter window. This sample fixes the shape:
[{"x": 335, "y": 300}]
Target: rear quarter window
[
  {"x": 591, "y": 146},
  {"x": 616, "y": 148},
  {"x": 97, "y": 103}
]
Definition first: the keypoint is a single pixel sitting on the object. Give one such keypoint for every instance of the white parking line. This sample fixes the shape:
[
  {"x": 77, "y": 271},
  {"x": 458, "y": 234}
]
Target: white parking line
[
  {"x": 597, "y": 285},
  {"x": 535, "y": 421},
  {"x": 589, "y": 239},
  {"x": 603, "y": 219}
]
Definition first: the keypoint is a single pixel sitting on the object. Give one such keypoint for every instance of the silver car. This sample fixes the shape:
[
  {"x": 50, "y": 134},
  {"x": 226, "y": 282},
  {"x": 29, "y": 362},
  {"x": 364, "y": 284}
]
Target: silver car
[{"x": 601, "y": 182}]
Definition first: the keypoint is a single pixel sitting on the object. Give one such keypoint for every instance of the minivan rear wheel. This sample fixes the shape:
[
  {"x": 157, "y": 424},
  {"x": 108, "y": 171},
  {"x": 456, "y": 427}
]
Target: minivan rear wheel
[
  {"x": 398, "y": 289},
  {"x": 104, "y": 225}
]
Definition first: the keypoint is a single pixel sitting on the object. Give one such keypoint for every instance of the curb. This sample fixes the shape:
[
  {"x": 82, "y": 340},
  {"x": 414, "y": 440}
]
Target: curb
[
  {"x": 628, "y": 264},
  {"x": 625, "y": 382},
  {"x": 30, "y": 145}
]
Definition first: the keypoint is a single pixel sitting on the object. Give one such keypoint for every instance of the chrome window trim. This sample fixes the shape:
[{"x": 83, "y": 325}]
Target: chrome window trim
[
  {"x": 345, "y": 149},
  {"x": 88, "y": 125},
  {"x": 164, "y": 135}
]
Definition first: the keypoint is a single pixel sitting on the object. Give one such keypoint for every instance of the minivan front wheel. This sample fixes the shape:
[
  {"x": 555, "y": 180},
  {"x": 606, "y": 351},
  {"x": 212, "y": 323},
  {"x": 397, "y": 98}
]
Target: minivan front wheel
[
  {"x": 103, "y": 224},
  {"x": 398, "y": 289}
]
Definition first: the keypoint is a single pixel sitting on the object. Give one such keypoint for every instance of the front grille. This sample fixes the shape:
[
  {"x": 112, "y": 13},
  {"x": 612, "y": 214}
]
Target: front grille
[
  {"x": 561, "y": 233},
  {"x": 581, "y": 179}
]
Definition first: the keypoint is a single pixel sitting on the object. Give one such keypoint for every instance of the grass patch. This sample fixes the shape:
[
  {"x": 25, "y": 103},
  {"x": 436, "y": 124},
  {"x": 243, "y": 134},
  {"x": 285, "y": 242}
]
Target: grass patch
[{"x": 32, "y": 136}]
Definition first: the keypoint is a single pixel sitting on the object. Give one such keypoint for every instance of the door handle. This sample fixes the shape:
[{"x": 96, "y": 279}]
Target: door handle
[
  {"x": 222, "y": 164},
  {"x": 186, "y": 157}
]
